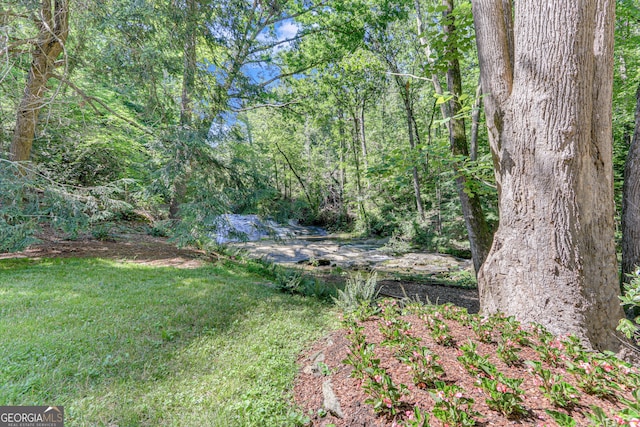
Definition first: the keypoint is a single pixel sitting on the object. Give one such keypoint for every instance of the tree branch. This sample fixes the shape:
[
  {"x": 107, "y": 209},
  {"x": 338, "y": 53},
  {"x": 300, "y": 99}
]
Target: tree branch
[
  {"x": 255, "y": 107},
  {"x": 93, "y": 100},
  {"x": 409, "y": 75}
]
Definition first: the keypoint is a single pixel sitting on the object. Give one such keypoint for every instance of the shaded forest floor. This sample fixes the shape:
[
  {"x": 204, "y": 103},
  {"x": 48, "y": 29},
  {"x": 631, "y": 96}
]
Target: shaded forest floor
[{"x": 134, "y": 247}]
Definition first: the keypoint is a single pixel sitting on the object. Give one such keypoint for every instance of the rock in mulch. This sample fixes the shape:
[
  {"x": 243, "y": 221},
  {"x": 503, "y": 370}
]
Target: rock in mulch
[{"x": 331, "y": 402}]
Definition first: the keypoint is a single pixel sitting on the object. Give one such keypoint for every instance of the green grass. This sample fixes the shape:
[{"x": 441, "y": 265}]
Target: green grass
[{"x": 128, "y": 345}]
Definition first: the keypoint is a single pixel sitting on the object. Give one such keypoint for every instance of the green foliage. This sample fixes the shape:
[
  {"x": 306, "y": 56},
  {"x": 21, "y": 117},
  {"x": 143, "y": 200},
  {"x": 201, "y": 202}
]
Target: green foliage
[
  {"x": 103, "y": 232},
  {"x": 561, "y": 418},
  {"x": 631, "y": 302},
  {"x": 424, "y": 365},
  {"x": 293, "y": 282},
  {"x": 358, "y": 291},
  {"x": 452, "y": 407},
  {"x": 383, "y": 394},
  {"x": 30, "y": 199},
  {"x": 505, "y": 395}
]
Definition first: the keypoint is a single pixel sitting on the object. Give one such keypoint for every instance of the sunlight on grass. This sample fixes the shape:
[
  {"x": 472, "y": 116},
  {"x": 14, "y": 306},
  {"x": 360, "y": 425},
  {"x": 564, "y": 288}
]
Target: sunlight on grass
[{"x": 128, "y": 345}]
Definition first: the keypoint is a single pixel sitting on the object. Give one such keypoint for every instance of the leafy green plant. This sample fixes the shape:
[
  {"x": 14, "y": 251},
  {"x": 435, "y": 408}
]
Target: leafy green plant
[
  {"x": 505, "y": 395},
  {"x": 360, "y": 354},
  {"x": 424, "y": 365},
  {"x": 452, "y": 407},
  {"x": 631, "y": 301},
  {"x": 561, "y": 418},
  {"x": 600, "y": 419},
  {"x": 452, "y": 312},
  {"x": 416, "y": 418},
  {"x": 551, "y": 350},
  {"x": 439, "y": 330},
  {"x": 513, "y": 331},
  {"x": 559, "y": 392},
  {"x": 31, "y": 198},
  {"x": 593, "y": 377},
  {"x": 103, "y": 233},
  {"x": 289, "y": 282},
  {"x": 358, "y": 290},
  {"x": 384, "y": 395},
  {"x": 389, "y": 308},
  {"x": 159, "y": 229},
  {"x": 397, "y": 332},
  {"x": 631, "y": 413},
  {"x": 508, "y": 352},
  {"x": 483, "y": 328},
  {"x": 474, "y": 363}
]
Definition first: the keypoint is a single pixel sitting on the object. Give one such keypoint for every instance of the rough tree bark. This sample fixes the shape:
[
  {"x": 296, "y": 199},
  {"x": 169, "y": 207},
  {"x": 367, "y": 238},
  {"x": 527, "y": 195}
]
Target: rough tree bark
[
  {"x": 548, "y": 89},
  {"x": 631, "y": 203},
  {"x": 53, "y": 31}
]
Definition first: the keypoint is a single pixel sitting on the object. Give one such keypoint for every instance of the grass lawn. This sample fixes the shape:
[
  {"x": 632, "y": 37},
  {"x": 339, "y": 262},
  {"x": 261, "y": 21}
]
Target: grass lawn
[{"x": 120, "y": 344}]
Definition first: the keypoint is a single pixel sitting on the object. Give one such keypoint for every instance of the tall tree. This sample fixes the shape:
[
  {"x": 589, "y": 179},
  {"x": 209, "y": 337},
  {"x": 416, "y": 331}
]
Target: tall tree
[
  {"x": 547, "y": 77},
  {"x": 53, "y": 30},
  {"x": 480, "y": 233}
]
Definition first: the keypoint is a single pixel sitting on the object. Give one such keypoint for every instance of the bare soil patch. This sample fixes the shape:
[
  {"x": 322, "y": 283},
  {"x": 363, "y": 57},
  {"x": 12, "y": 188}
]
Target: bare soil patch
[{"x": 135, "y": 247}]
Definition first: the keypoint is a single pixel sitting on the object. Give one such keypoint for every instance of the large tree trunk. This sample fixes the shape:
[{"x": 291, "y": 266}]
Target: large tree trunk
[
  {"x": 548, "y": 111},
  {"x": 631, "y": 203},
  {"x": 479, "y": 231},
  {"x": 54, "y": 29}
]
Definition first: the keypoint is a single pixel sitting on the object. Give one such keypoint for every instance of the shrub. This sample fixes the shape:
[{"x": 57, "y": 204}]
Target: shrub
[
  {"x": 631, "y": 301},
  {"x": 357, "y": 291}
]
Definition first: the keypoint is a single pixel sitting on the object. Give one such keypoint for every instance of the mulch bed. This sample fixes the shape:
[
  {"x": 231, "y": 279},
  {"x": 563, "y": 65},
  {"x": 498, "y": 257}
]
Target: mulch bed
[{"x": 309, "y": 396}]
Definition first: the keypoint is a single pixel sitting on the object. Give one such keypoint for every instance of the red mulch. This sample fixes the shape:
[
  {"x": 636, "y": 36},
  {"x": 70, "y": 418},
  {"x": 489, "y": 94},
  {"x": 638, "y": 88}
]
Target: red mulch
[{"x": 308, "y": 387}]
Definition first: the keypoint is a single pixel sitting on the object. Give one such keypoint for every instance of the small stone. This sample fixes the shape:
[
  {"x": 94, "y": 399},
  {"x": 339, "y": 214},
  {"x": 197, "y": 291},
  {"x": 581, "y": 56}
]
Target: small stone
[{"x": 331, "y": 402}]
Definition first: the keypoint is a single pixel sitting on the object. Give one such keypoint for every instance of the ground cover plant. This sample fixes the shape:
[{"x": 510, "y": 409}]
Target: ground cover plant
[
  {"x": 485, "y": 371},
  {"x": 122, "y": 344}
]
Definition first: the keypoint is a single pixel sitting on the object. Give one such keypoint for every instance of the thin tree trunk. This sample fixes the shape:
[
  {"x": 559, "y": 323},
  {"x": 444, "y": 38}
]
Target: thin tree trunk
[
  {"x": 54, "y": 29},
  {"x": 363, "y": 138},
  {"x": 298, "y": 178},
  {"x": 186, "y": 104},
  {"x": 356, "y": 160},
  {"x": 475, "y": 122},
  {"x": 631, "y": 203},
  {"x": 412, "y": 144},
  {"x": 548, "y": 111},
  {"x": 189, "y": 59},
  {"x": 444, "y": 107},
  {"x": 480, "y": 234}
]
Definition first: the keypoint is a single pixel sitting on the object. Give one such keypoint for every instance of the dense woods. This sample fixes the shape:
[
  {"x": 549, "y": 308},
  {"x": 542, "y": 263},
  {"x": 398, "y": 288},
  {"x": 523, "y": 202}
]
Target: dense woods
[{"x": 433, "y": 123}]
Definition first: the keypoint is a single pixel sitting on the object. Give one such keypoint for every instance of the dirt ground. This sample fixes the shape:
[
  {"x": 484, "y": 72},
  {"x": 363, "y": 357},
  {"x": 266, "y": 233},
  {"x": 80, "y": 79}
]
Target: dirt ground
[{"x": 137, "y": 248}]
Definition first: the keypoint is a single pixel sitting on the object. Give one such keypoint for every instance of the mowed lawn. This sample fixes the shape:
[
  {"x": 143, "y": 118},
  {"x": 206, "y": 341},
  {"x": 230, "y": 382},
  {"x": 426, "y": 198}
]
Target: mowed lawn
[{"x": 120, "y": 344}]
